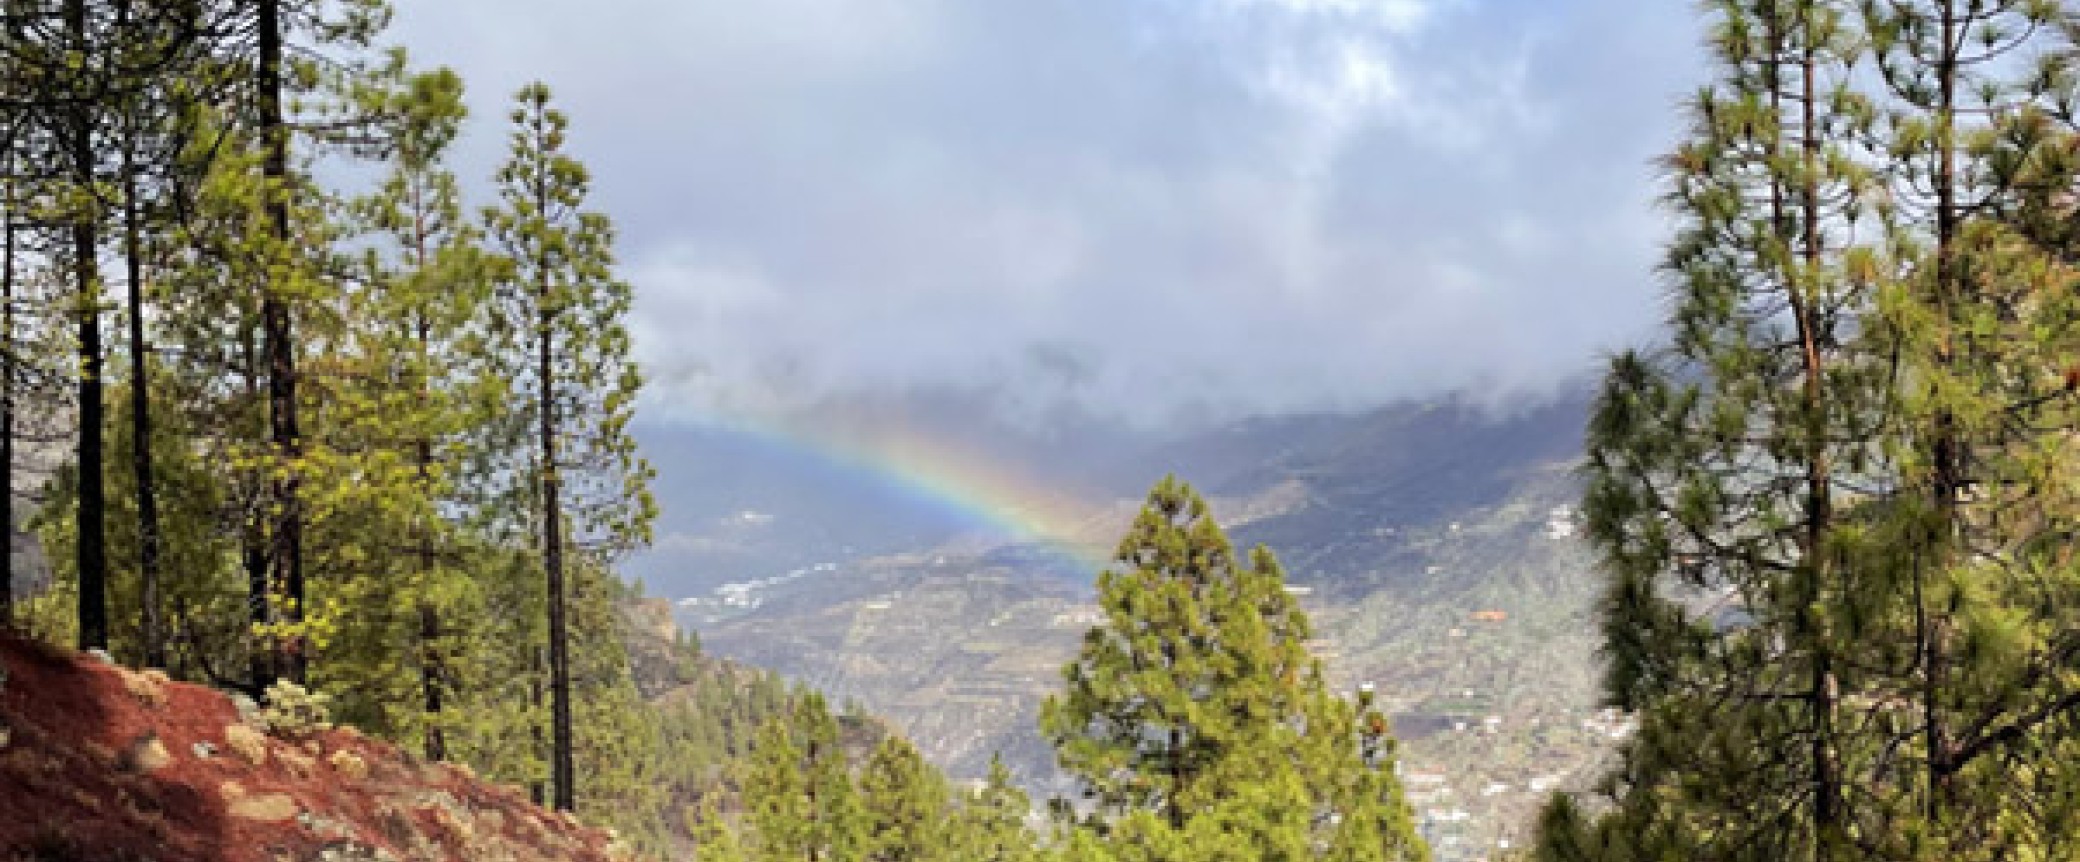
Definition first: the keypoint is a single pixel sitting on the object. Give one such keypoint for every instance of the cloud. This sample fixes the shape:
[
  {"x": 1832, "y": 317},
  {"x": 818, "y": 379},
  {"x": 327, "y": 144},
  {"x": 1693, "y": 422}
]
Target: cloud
[{"x": 1146, "y": 208}]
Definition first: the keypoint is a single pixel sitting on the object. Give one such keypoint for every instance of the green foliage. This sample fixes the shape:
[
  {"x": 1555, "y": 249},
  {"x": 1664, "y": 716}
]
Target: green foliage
[
  {"x": 990, "y": 825},
  {"x": 560, "y": 338},
  {"x": 905, "y": 805},
  {"x": 1198, "y": 724},
  {"x": 386, "y": 541},
  {"x": 1823, "y": 507},
  {"x": 800, "y": 795},
  {"x": 292, "y": 711}
]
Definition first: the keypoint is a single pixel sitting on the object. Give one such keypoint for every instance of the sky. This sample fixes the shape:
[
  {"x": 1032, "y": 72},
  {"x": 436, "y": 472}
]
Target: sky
[{"x": 1139, "y": 209}]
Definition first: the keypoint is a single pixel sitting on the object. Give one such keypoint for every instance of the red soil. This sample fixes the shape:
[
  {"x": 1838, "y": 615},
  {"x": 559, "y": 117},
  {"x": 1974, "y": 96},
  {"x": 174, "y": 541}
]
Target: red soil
[{"x": 73, "y": 786}]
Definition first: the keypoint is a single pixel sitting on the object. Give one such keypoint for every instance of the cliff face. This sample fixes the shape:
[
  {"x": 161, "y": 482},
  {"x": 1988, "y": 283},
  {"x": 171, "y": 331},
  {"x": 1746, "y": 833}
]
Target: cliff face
[{"x": 101, "y": 763}]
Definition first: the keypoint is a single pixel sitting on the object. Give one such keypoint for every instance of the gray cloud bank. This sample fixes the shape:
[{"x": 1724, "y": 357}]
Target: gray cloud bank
[{"x": 1136, "y": 207}]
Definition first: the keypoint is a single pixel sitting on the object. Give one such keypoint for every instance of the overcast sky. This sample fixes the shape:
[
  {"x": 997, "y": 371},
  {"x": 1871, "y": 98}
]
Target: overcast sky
[{"x": 1137, "y": 206}]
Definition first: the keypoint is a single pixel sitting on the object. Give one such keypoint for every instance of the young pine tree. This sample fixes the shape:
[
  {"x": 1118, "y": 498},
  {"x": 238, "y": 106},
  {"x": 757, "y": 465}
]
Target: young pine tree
[
  {"x": 991, "y": 823},
  {"x": 416, "y": 393},
  {"x": 798, "y": 791},
  {"x": 568, "y": 353},
  {"x": 1195, "y": 719},
  {"x": 904, "y": 802}
]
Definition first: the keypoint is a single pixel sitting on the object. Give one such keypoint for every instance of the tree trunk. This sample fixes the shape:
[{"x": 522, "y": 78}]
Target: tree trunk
[
  {"x": 1946, "y": 454},
  {"x": 8, "y": 369},
  {"x": 1826, "y": 777},
  {"x": 561, "y": 762},
  {"x": 253, "y": 536},
  {"x": 90, "y": 520},
  {"x": 278, "y": 325},
  {"x": 153, "y": 630},
  {"x": 430, "y": 662},
  {"x": 536, "y": 793},
  {"x": 431, "y": 666}
]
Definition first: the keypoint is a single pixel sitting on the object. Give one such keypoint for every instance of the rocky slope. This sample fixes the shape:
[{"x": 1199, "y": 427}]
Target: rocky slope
[{"x": 101, "y": 763}]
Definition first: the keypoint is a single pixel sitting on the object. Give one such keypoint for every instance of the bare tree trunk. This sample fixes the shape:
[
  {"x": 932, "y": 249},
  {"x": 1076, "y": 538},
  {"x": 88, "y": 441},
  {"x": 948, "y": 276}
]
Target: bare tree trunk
[
  {"x": 253, "y": 537},
  {"x": 536, "y": 793},
  {"x": 562, "y": 769},
  {"x": 8, "y": 370},
  {"x": 92, "y": 513},
  {"x": 154, "y": 634},
  {"x": 431, "y": 665},
  {"x": 278, "y": 325}
]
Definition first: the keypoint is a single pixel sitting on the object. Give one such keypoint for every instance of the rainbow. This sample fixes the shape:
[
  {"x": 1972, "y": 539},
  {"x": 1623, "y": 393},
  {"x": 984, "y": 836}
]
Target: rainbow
[{"x": 997, "y": 498}]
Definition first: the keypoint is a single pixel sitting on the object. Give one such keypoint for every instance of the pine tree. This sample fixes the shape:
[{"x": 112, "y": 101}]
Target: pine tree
[
  {"x": 1195, "y": 719},
  {"x": 713, "y": 839},
  {"x": 591, "y": 484},
  {"x": 84, "y": 218},
  {"x": 1715, "y": 467},
  {"x": 415, "y": 393},
  {"x": 799, "y": 792},
  {"x": 991, "y": 824},
  {"x": 1985, "y": 318},
  {"x": 1785, "y": 495},
  {"x": 905, "y": 805}
]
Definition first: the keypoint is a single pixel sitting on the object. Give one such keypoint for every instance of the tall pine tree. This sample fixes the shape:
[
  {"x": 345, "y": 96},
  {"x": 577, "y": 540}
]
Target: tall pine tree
[{"x": 571, "y": 357}]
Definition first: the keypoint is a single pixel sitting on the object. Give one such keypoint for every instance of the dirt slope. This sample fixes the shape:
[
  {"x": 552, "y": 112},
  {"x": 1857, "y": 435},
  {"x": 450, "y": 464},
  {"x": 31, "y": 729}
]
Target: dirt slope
[{"x": 100, "y": 763}]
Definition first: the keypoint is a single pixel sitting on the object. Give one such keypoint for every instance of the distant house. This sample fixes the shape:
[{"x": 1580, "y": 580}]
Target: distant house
[{"x": 1490, "y": 616}]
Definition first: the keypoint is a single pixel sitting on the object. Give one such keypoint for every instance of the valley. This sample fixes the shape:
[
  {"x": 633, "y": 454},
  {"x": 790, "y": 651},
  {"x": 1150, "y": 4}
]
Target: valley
[{"x": 1435, "y": 548}]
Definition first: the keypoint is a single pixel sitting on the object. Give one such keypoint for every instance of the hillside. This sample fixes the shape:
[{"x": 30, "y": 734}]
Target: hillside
[
  {"x": 102, "y": 764},
  {"x": 1435, "y": 546}
]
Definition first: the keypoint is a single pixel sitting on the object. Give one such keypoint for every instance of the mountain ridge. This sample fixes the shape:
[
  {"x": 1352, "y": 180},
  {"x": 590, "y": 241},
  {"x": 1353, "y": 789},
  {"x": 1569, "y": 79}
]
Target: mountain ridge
[{"x": 1436, "y": 546}]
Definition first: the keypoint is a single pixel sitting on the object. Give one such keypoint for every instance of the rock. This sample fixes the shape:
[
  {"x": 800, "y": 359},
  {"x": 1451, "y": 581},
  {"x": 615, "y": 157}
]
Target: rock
[
  {"x": 249, "y": 743},
  {"x": 353, "y": 851},
  {"x": 248, "y": 711},
  {"x": 296, "y": 762},
  {"x": 148, "y": 686},
  {"x": 100, "y": 655},
  {"x": 349, "y": 765},
  {"x": 264, "y": 807},
  {"x": 144, "y": 755},
  {"x": 451, "y": 821},
  {"x": 325, "y": 827},
  {"x": 205, "y": 750}
]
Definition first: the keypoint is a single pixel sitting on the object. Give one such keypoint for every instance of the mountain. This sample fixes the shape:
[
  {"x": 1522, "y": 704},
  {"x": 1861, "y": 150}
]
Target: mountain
[{"x": 1434, "y": 544}]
